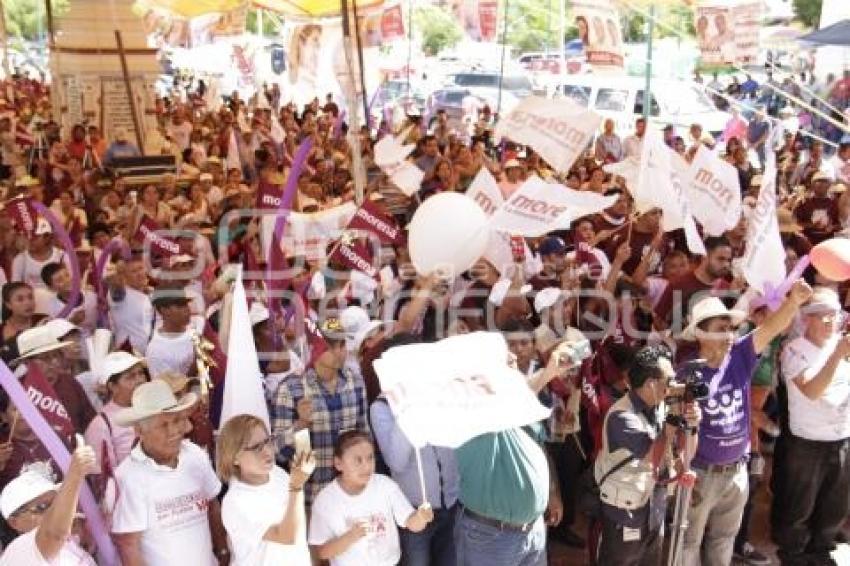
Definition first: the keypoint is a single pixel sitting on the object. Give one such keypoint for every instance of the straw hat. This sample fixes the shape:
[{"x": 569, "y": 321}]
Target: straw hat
[
  {"x": 151, "y": 399},
  {"x": 787, "y": 222},
  {"x": 38, "y": 340},
  {"x": 117, "y": 362},
  {"x": 708, "y": 308}
]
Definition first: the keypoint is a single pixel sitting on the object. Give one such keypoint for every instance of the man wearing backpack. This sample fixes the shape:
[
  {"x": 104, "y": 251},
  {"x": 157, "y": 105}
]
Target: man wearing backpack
[{"x": 635, "y": 441}]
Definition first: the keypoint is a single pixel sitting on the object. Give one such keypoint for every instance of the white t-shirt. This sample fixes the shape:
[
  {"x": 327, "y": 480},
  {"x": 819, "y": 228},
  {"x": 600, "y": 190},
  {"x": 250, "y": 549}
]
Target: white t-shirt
[
  {"x": 132, "y": 317},
  {"x": 23, "y": 552},
  {"x": 53, "y": 305},
  {"x": 381, "y": 502},
  {"x": 181, "y": 134},
  {"x": 168, "y": 506},
  {"x": 170, "y": 352},
  {"x": 27, "y": 269},
  {"x": 825, "y": 419},
  {"x": 247, "y": 513}
]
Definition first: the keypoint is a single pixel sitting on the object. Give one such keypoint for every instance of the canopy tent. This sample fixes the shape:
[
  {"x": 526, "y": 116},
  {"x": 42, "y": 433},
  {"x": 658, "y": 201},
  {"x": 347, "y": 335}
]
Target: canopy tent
[
  {"x": 301, "y": 9},
  {"x": 836, "y": 34}
]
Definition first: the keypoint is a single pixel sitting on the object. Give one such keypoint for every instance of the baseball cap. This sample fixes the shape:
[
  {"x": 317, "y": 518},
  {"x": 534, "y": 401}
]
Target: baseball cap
[
  {"x": 823, "y": 300},
  {"x": 552, "y": 245}
]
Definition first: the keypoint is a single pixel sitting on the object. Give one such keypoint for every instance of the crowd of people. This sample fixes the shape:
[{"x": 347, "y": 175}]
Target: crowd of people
[{"x": 642, "y": 409}]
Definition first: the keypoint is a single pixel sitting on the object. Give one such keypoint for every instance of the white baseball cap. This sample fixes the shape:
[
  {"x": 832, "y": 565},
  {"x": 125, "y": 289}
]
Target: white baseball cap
[
  {"x": 117, "y": 362},
  {"x": 29, "y": 485}
]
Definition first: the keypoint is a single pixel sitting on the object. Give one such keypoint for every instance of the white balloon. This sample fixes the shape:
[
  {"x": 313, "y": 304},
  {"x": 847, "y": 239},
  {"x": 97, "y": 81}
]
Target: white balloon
[{"x": 448, "y": 233}]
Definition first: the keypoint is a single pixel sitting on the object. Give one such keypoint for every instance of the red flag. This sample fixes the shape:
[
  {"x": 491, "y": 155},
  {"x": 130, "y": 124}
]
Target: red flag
[
  {"x": 45, "y": 399},
  {"x": 23, "y": 215},
  {"x": 355, "y": 255},
  {"x": 371, "y": 218},
  {"x": 147, "y": 231}
]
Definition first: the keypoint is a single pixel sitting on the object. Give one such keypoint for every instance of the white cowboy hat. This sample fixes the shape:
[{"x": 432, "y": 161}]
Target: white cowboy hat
[
  {"x": 710, "y": 307},
  {"x": 61, "y": 327},
  {"x": 38, "y": 340},
  {"x": 117, "y": 362},
  {"x": 153, "y": 398}
]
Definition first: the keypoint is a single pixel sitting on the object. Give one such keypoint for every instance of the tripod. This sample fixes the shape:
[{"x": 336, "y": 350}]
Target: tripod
[{"x": 683, "y": 501}]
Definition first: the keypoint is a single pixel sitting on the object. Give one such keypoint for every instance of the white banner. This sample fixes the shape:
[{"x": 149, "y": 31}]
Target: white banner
[
  {"x": 469, "y": 395},
  {"x": 714, "y": 192},
  {"x": 764, "y": 257},
  {"x": 559, "y": 130},
  {"x": 538, "y": 207},
  {"x": 485, "y": 192},
  {"x": 309, "y": 234},
  {"x": 661, "y": 185}
]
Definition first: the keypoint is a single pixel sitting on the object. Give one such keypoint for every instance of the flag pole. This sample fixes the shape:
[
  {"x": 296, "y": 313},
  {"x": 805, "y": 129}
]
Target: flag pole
[
  {"x": 417, "y": 450},
  {"x": 648, "y": 74},
  {"x": 502, "y": 62}
]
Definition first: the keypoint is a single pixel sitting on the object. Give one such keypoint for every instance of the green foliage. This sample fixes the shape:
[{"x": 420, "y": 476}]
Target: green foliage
[
  {"x": 437, "y": 28},
  {"x": 28, "y": 18},
  {"x": 808, "y": 11},
  {"x": 269, "y": 25}
]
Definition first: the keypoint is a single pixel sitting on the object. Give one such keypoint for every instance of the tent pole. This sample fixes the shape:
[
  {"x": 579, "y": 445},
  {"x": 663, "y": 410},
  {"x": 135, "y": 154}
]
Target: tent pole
[{"x": 353, "y": 106}]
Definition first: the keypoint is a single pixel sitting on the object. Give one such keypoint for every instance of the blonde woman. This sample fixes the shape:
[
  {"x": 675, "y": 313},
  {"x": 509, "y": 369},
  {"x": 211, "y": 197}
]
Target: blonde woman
[{"x": 263, "y": 511}]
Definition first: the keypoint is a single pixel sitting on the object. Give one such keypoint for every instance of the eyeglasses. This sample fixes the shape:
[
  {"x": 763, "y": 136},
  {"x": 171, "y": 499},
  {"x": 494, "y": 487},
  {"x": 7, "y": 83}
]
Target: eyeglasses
[
  {"x": 261, "y": 445},
  {"x": 37, "y": 509}
]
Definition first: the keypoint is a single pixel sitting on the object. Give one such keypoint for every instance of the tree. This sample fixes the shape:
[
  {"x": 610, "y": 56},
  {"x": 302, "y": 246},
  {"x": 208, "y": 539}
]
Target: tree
[
  {"x": 439, "y": 30},
  {"x": 808, "y": 11},
  {"x": 28, "y": 18},
  {"x": 270, "y": 27}
]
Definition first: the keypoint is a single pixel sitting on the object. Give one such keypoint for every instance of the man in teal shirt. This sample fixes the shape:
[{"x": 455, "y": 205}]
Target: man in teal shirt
[{"x": 504, "y": 492}]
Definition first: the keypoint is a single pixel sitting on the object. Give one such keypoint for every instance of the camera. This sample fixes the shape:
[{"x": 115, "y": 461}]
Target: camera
[{"x": 692, "y": 388}]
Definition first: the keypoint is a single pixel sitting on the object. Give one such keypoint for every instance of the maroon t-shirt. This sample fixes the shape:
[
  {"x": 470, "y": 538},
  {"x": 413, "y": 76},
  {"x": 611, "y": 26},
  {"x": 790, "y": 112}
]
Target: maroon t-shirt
[
  {"x": 687, "y": 287},
  {"x": 813, "y": 209},
  {"x": 639, "y": 242}
]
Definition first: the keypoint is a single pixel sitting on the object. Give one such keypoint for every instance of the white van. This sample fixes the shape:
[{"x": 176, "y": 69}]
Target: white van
[{"x": 680, "y": 103}]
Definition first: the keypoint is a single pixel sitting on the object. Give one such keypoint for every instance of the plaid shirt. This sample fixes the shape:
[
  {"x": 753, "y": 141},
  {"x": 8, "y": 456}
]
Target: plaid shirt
[{"x": 333, "y": 413}]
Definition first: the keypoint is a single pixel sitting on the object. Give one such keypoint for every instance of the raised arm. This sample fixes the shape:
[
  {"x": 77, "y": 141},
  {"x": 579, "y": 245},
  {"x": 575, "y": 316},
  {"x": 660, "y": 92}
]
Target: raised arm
[{"x": 777, "y": 322}]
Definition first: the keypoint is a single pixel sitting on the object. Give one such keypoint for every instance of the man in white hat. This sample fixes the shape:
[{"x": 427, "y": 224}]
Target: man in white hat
[
  {"x": 119, "y": 374},
  {"x": 812, "y": 478},
  {"x": 513, "y": 178},
  {"x": 39, "y": 347},
  {"x": 120, "y": 147},
  {"x": 42, "y": 513},
  {"x": 726, "y": 366},
  {"x": 40, "y": 251},
  {"x": 167, "y": 512}
]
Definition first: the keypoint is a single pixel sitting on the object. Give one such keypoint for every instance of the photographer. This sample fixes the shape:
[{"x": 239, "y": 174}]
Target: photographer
[{"x": 635, "y": 441}]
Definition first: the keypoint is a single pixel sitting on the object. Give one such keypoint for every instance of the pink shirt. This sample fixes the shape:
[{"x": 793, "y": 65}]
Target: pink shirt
[{"x": 119, "y": 441}]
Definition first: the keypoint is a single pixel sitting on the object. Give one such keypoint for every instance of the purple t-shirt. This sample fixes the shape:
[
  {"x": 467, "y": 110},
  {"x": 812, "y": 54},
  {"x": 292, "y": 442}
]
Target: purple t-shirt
[{"x": 724, "y": 433}]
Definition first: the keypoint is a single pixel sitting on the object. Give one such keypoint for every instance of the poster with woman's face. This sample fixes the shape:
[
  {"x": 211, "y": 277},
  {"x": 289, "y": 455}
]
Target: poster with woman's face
[{"x": 598, "y": 25}]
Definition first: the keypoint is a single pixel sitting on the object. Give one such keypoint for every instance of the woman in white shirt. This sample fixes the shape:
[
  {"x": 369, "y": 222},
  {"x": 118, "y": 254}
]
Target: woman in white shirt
[{"x": 263, "y": 511}]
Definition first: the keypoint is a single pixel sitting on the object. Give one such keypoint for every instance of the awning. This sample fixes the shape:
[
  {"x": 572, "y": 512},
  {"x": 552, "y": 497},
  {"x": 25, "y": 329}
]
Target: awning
[{"x": 836, "y": 34}]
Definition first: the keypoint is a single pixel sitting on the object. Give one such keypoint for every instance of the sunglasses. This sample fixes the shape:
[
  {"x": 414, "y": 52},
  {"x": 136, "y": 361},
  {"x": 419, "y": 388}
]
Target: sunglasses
[{"x": 258, "y": 447}]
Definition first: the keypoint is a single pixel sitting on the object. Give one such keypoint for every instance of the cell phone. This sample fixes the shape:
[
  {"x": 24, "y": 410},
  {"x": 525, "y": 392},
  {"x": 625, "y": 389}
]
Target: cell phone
[
  {"x": 518, "y": 248},
  {"x": 302, "y": 441},
  {"x": 134, "y": 197}
]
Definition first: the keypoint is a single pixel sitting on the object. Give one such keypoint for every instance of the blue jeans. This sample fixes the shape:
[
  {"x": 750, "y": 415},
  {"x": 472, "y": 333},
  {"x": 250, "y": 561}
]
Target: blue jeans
[
  {"x": 479, "y": 544},
  {"x": 434, "y": 545}
]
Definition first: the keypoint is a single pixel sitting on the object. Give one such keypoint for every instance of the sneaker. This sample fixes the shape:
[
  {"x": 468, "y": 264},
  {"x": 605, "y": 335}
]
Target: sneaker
[{"x": 749, "y": 555}]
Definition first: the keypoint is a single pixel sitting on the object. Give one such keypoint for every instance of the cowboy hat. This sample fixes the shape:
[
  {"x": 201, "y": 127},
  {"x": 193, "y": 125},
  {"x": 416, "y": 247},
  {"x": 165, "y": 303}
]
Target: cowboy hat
[
  {"x": 151, "y": 399},
  {"x": 708, "y": 308},
  {"x": 36, "y": 341}
]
